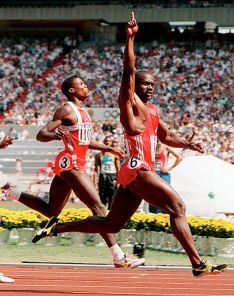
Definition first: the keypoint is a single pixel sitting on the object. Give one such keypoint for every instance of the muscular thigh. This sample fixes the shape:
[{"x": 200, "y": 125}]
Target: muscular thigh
[
  {"x": 82, "y": 186},
  {"x": 156, "y": 191},
  {"x": 124, "y": 205},
  {"x": 60, "y": 191}
]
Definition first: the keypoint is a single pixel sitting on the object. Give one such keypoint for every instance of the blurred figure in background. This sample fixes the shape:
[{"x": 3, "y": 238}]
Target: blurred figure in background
[
  {"x": 2, "y": 134},
  {"x": 106, "y": 168},
  {"x": 7, "y": 140},
  {"x": 163, "y": 166},
  {"x": 18, "y": 166}
]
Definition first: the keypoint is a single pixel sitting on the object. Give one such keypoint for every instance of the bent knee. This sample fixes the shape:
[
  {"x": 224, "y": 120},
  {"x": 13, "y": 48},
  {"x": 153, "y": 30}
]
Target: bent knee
[{"x": 179, "y": 209}]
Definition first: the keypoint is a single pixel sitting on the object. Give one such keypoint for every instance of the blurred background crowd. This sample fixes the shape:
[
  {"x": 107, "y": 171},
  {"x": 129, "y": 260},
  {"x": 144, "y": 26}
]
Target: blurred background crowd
[{"x": 193, "y": 89}]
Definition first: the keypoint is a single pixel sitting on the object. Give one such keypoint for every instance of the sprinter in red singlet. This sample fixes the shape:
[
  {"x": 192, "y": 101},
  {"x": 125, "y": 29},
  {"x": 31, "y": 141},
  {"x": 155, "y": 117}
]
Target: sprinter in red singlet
[
  {"x": 142, "y": 125},
  {"x": 72, "y": 124}
]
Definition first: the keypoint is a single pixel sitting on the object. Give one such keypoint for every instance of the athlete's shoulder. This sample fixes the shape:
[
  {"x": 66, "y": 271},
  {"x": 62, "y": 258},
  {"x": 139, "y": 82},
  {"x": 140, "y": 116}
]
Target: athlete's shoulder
[
  {"x": 66, "y": 107},
  {"x": 62, "y": 111}
]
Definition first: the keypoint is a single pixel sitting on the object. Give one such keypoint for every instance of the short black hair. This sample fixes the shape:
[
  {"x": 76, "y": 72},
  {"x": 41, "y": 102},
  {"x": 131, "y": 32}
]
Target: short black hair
[
  {"x": 139, "y": 74},
  {"x": 66, "y": 84}
]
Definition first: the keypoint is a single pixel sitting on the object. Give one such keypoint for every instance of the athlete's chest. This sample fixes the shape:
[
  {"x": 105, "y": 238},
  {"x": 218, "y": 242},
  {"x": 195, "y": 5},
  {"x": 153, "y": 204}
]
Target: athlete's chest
[{"x": 152, "y": 120}]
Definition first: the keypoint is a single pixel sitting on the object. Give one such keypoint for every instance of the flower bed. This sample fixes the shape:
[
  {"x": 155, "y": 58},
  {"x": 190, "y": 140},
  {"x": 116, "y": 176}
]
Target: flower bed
[{"x": 159, "y": 223}]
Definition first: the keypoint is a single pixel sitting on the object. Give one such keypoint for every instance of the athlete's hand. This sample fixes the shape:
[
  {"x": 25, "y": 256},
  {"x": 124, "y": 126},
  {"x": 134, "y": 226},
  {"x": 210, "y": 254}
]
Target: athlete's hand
[
  {"x": 132, "y": 27},
  {"x": 196, "y": 147},
  {"x": 59, "y": 134},
  {"x": 7, "y": 140},
  {"x": 165, "y": 170}
]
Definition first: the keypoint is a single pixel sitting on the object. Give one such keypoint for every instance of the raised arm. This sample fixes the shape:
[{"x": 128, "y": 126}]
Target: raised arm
[
  {"x": 132, "y": 110},
  {"x": 128, "y": 78},
  {"x": 171, "y": 139}
]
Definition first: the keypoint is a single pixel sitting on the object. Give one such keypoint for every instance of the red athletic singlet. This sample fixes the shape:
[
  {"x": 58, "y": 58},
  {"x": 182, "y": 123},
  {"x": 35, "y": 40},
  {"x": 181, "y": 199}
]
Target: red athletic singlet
[
  {"x": 161, "y": 159},
  {"x": 76, "y": 143},
  {"x": 140, "y": 150}
]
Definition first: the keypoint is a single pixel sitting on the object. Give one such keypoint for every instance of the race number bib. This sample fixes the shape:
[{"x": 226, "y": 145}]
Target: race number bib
[
  {"x": 106, "y": 167},
  {"x": 158, "y": 166},
  {"x": 134, "y": 163},
  {"x": 64, "y": 162},
  {"x": 85, "y": 133}
]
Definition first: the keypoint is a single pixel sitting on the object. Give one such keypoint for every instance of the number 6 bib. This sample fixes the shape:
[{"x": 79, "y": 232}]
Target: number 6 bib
[
  {"x": 134, "y": 163},
  {"x": 128, "y": 170}
]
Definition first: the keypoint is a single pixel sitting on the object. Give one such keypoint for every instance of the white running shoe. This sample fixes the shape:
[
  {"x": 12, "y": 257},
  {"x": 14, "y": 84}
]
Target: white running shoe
[
  {"x": 5, "y": 279},
  {"x": 128, "y": 262}
]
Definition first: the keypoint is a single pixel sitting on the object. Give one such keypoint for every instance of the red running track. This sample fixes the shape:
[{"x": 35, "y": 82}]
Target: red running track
[{"x": 87, "y": 281}]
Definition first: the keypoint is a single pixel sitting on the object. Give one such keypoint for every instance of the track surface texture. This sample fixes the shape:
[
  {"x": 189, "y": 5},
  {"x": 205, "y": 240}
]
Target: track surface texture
[{"x": 34, "y": 280}]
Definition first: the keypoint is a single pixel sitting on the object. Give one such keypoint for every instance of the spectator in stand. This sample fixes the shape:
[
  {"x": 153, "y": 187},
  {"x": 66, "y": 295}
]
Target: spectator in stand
[
  {"x": 107, "y": 127},
  {"x": 106, "y": 168},
  {"x": 18, "y": 166},
  {"x": 13, "y": 133},
  {"x": 163, "y": 165}
]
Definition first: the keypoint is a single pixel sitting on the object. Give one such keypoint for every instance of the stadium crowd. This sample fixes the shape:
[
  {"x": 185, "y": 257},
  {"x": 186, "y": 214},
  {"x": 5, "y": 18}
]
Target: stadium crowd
[{"x": 194, "y": 84}]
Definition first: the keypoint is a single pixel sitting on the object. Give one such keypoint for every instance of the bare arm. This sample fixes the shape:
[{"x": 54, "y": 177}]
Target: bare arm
[
  {"x": 132, "y": 110},
  {"x": 178, "y": 159},
  {"x": 97, "y": 162},
  {"x": 171, "y": 139},
  {"x": 191, "y": 137},
  {"x": 128, "y": 78},
  {"x": 104, "y": 148},
  {"x": 97, "y": 168},
  {"x": 48, "y": 132},
  {"x": 194, "y": 132},
  {"x": 117, "y": 163}
]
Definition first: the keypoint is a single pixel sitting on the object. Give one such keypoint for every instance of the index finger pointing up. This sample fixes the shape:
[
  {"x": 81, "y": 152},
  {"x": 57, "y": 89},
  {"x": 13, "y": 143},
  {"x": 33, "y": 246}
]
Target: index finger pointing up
[{"x": 132, "y": 16}]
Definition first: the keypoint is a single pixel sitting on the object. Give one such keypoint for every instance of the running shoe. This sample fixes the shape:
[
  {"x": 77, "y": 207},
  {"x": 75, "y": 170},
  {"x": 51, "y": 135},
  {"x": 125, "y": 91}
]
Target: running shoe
[
  {"x": 206, "y": 267},
  {"x": 47, "y": 230},
  {"x": 5, "y": 279},
  {"x": 128, "y": 262},
  {"x": 5, "y": 190}
]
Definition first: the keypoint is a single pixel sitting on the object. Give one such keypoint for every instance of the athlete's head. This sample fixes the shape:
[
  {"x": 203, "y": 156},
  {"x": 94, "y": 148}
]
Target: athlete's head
[
  {"x": 108, "y": 140},
  {"x": 74, "y": 87},
  {"x": 144, "y": 85}
]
